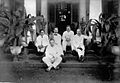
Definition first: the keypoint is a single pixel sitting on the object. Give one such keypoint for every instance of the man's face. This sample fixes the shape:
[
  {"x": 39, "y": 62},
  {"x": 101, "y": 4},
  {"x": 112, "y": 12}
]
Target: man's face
[
  {"x": 42, "y": 33},
  {"x": 68, "y": 28},
  {"x": 78, "y": 31},
  {"x": 56, "y": 30},
  {"x": 52, "y": 43}
]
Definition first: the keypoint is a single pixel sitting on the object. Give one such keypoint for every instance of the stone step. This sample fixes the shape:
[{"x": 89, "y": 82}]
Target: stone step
[
  {"x": 69, "y": 57},
  {"x": 68, "y": 64}
]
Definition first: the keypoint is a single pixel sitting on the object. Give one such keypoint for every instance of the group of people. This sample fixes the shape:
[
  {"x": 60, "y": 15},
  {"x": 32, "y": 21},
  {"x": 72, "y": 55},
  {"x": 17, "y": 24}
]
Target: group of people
[{"x": 54, "y": 46}]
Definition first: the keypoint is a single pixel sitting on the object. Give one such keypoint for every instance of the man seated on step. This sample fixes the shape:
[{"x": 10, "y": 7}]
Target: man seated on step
[
  {"x": 78, "y": 43},
  {"x": 67, "y": 38},
  {"x": 42, "y": 42},
  {"x": 57, "y": 38},
  {"x": 52, "y": 56}
]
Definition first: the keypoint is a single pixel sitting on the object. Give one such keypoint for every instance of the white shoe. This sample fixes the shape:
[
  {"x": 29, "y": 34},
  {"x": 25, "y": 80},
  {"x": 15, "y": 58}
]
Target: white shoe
[{"x": 49, "y": 68}]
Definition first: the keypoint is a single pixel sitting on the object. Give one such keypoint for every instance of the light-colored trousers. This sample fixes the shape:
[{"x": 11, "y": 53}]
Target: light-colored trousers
[
  {"x": 80, "y": 52},
  {"x": 52, "y": 61},
  {"x": 60, "y": 49},
  {"x": 65, "y": 43}
]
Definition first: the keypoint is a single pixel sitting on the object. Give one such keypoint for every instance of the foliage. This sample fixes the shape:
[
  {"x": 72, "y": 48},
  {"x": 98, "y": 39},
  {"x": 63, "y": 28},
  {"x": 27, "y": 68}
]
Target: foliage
[
  {"x": 106, "y": 27},
  {"x": 14, "y": 25}
]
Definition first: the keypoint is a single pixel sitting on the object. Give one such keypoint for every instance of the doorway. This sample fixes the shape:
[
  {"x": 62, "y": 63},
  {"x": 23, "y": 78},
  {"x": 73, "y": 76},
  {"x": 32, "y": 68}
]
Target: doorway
[{"x": 63, "y": 15}]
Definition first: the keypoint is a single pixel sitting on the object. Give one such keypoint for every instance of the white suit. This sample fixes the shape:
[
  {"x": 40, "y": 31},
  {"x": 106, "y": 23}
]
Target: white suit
[
  {"x": 42, "y": 41},
  {"x": 78, "y": 42},
  {"x": 52, "y": 57},
  {"x": 67, "y": 39},
  {"x": 57, "y": 37}
]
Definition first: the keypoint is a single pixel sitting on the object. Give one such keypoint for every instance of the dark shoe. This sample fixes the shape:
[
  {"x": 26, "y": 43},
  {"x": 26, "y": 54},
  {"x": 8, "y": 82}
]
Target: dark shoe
[
  {"x": 74, "y": 53},
  {"x": 81, "y": 59},
  {"x": 63, "y": 58},
  {"x": 64, "y": 52}
]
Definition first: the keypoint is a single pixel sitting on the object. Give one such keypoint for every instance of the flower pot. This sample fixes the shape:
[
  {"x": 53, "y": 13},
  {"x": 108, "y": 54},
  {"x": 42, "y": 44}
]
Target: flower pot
[
  {"x": 15, "y": 51},
  {"x": 116, "y": 51}
]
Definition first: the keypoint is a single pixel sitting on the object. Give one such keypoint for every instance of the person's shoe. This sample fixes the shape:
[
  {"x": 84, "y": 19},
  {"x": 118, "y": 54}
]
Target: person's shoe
[
  {"x": 48, "y": 69},
  {"x": 64, "y": 52},
  {"x": 81, "y": 59},
  {"x": 63, "y": 58},
  {"x": 57, "y": 68}
]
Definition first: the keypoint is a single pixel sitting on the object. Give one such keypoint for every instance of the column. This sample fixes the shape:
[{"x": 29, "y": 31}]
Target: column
[
  {"x": 7, "y": 3},
  {"x": 95, "y": 9},
  {"x": 82, "y": 11},
  {"x": 30, "y": 6},
  {"x": 44, "y": 8},
  {"x": 119, "y": 10}
]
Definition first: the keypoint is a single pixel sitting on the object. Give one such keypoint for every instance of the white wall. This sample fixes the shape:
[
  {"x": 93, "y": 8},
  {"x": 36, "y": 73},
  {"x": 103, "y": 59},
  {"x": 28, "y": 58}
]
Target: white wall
[
  {"x": 44, "y": 10},
  {"x": 30, "y": 6},
  {"x": 82, "y": 12},
  {"x": 95, "y": 9}
]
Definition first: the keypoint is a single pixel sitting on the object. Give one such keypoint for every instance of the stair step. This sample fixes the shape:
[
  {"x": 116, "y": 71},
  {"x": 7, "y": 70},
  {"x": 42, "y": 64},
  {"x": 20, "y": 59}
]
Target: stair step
[
  {"x": 69, "y": 57},
  {"x": 68, "y": 64}
]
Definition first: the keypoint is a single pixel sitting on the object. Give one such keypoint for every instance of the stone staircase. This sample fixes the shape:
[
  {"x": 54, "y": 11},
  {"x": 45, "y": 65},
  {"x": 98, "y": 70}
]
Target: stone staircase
[{"x": 91, "y": 61}]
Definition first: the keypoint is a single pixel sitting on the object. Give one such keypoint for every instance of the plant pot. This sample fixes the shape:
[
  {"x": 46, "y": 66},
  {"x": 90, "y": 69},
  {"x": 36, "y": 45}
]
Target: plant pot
[
  {"x": 15, "y": 51},
  {"x": 116, "y": 51}
]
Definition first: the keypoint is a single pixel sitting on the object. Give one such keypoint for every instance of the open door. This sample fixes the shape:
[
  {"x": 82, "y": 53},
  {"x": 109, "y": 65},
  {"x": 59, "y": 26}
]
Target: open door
[{"x": 63, "y": 15}]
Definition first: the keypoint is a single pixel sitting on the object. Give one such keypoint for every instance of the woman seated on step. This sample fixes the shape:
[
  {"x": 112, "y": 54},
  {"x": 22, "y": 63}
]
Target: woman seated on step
[
  {"x": 52, "y": 56},
  {"x": 42, "y": 42}
]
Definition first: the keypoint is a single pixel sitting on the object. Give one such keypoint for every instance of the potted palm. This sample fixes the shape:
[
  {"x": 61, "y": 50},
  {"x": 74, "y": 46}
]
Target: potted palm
[{"x": 107, "y": 31}]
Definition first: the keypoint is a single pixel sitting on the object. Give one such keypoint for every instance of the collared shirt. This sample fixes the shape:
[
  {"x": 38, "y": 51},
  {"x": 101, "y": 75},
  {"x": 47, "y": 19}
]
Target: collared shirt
[
  {"x": 68, "y": 35},
  {"x": 52, "y": 52},
  {"x": 42, "y": 40},
  {"x": 57, "y": 38},
  {"x": 79, "y": 40}
]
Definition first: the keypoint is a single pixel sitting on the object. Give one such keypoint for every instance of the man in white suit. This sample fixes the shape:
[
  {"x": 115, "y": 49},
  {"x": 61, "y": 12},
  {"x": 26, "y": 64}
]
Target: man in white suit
[
  {"x": 57, "y": 38},
  {"x": 67, "y": 38},
  {"x": 42, "y": 42},
  {"x": 78, "y": 43},
  {"x": 52, "y": 56}
]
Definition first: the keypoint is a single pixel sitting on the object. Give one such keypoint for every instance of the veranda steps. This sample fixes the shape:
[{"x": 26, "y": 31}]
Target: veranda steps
[{"x": 91, "y": 61}]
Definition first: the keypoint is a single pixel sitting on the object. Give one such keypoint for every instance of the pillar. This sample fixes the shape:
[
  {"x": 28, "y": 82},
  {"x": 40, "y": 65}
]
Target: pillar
[
  {"x": 119, "y": 10},
  {"x": 30, "y": 6},
  {"x": 7, "y": 3},
  {"x": 44, "y": 8},
  {"x": 95, "y": 9},
  {"x": 82, "y": 11}
]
